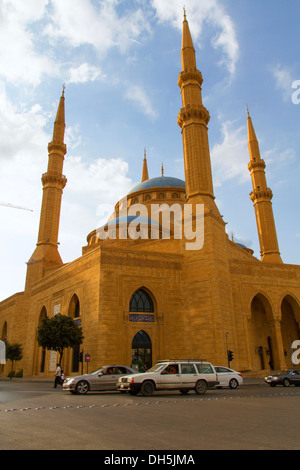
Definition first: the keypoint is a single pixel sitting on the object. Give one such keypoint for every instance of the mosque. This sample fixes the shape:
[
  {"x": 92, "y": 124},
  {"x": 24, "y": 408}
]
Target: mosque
[{"x": 153, "y": 297}]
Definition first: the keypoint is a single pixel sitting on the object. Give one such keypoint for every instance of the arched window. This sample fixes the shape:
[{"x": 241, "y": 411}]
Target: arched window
[
  {"x": 43, "y": 315},
  {"x": 141, "y": 302},
  {"x": 141, "y": 351},
  {"x": 4, "y": 332}
]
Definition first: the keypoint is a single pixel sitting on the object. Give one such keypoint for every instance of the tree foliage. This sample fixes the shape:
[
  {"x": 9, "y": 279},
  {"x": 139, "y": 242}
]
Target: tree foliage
[
  {"x": 14, "y": 352},
  {"x": 59, "y": 332}
]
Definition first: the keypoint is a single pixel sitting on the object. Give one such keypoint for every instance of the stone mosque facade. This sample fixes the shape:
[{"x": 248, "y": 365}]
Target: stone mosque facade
[{"x": 150, "y": 297}]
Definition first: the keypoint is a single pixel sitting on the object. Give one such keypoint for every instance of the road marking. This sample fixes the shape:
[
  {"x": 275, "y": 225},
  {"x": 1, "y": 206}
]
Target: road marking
[{"x": 159, "y": 402}]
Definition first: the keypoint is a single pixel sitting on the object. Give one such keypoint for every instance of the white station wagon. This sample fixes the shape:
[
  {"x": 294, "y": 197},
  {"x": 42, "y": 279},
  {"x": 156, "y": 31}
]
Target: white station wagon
[{"x": 182, "y": 375}]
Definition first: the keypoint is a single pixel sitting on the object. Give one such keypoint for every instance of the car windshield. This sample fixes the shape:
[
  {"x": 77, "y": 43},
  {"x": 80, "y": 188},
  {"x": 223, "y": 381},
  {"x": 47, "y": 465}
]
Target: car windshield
[
  {"x": 96, "y": 371},
  {"x": 156, "y": 368},
  {"x": 284, "y": 372}
]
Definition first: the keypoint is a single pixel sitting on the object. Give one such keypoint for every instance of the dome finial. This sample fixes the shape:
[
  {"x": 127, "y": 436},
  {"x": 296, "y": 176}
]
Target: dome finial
[
  {"x": 145, "y": 175},
  {"x": 162, "y": 169}
]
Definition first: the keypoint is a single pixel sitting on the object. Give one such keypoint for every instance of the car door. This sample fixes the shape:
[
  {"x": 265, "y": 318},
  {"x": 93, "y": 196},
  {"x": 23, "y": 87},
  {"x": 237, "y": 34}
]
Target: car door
[
  {"x": 188, "y": 375},
  {"x": 107, "y": 379},
  {"x": 169, "y": 378},
  {"x": 222, "y": 376},
  {"x": 295, "y": 377}
]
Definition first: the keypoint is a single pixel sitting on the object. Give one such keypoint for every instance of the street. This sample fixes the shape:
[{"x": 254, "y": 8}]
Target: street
[{"x": 35, "y": 416}]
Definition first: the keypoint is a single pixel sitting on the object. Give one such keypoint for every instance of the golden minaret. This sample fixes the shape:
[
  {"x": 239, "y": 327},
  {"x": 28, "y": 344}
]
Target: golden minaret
[
  {"x": 46, "y": 254},
  {"x": 261, "y": 197},
  {"x": 193, "y": 119}
]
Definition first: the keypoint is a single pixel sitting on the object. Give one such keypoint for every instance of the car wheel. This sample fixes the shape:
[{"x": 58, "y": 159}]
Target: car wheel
[
  {"x": 184, "y": 391},
  {"x": 201, "y": 387},
  {"x": 233, "y": 383},
  {"x": 286, "y": 382},
  {"x": 147, "y": 388},
  {"x": 82, "y": 387}
]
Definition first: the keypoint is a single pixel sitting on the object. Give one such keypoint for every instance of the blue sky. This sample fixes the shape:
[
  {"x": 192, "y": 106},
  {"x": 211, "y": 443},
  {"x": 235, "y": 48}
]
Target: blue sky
[{"x": 120, "y": 61}]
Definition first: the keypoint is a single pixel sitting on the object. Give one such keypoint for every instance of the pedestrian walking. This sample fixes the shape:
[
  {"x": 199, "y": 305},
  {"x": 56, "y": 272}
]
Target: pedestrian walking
[{"x": 57, "y": 375}]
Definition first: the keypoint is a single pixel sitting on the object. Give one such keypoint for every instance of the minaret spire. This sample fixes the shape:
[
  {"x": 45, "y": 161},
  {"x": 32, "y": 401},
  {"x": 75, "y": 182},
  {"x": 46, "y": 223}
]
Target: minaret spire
[
  {"x": 145, "y": 175},
  {"x": 261, "y": 197},
  {"x": 46, "y": 254},
  {"x": 193, "y": 119}
]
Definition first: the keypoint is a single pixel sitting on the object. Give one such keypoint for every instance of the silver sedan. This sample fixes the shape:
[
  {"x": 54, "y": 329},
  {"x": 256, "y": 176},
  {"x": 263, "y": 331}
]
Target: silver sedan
[{"x": 102, "y": 379}]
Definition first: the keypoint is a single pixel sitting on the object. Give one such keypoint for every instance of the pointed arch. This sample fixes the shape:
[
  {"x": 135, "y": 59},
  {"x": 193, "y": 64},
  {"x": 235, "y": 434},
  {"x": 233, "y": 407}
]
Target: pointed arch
[
  {"x": 4, "y": 332},
  {"x": 141, "y": 301},
  {"x": 40, "y": 353},
  {"x": 74, "y": 312},
  {"x": 261, "y": 333},
  {"x": 74, "y": 307},
  {"x": 290, "y": 321}
]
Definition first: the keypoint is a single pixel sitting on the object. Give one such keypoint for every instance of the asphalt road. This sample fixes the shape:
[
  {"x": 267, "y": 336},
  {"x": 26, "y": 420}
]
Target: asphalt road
[{"x": 35, "y": 416}]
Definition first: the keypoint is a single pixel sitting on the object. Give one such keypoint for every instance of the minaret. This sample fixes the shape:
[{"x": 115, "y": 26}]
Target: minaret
[
  {"x": 193, "y": 119},
  {"x": 46, "y": 254},
  {"x": 261, "y": 197},
  {"x": 145, "y": 175}
]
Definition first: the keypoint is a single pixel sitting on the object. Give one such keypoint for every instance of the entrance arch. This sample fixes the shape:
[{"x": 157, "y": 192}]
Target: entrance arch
[
  {"x": 39, "y": 352},
  {"x": 74, "y": 312},
  {"x": 141, "y": 350},
  {"x": 290, "y": 315},
  {"x": 260, "y": 331}
]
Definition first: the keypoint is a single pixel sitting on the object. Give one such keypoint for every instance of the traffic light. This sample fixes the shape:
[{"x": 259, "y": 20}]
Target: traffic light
[{"x": 230, "y": 356}]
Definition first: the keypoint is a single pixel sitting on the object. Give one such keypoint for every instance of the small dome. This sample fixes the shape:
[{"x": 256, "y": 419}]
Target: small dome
[
  {"x": 159, "y": 182},
  {"x": 126, "y": 219}
]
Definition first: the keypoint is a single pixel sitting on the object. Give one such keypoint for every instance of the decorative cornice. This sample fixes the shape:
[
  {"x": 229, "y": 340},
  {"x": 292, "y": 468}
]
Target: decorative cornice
[
  {"x": 258, "y": 195},
  {"x": 259, "y": 164},
  {"x": 192, "y": 74},
  {"x": 54, "y": 179},
  {"x": 57, "y": 148},
  {"x": 195, "y": 113}
]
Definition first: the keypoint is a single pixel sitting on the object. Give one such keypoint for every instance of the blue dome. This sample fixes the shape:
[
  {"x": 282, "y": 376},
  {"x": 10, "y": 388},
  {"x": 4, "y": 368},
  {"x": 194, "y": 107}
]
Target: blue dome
[
  {"x": 159, "y": 182},
  {"x": 126, "y": 219}
]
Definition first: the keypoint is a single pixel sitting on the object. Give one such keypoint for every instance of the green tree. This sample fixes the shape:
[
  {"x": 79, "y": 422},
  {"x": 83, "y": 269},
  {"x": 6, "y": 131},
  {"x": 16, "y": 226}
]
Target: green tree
[
  {"x": 14, "y": 353},
  {"x": 59, "y": 332}
]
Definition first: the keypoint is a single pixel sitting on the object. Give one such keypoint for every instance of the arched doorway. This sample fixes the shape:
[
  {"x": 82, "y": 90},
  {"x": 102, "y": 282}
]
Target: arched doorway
[
  {"x": 290, "y": 313},
  {"x": 74, "y": 312},
  {"x": 260, "y": 331},
  {"x": 3, "y": 338},
  {"x": 39, "y": 352},
  {"x": 142, "y": 350}
]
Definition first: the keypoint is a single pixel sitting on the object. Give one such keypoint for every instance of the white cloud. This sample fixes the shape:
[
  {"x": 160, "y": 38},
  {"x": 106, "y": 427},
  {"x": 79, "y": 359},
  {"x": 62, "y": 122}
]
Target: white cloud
[
  {"x": 283, "y": 80},
  {"x": 230, "y": 157},
  {"x": 137, "y": 95},
  {"x": 85, "y": 73},
  {"x": 199, "y": 14},
  {"x": 20, "y": 62},
  {"x": 82, "y": 22}
]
